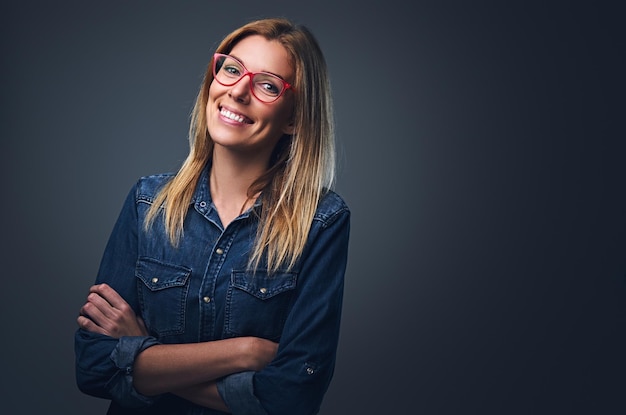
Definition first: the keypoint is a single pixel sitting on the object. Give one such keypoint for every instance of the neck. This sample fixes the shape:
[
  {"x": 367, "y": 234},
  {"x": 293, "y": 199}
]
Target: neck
[{"x": 230, "y": 179}]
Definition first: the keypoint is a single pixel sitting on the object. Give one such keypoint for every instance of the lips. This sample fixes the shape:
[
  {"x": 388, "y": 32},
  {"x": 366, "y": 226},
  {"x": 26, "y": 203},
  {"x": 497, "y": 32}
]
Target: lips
[{"x": 234, "y": 116}]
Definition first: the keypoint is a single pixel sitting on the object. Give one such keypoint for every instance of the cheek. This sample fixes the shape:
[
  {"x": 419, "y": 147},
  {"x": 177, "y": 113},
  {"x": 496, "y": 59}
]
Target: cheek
[
  {"x": 211, "y": 96},
  {"x": 289, "y": 109},
  {"x": 215, "y": 91},
  {"x": 211, "y": 100},
  {"x": 285, "y": 115}
]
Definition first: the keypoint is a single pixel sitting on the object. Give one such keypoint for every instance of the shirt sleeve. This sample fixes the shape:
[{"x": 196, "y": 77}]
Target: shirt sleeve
[
  {"x": 296, "y": 380},
  {"x": 237, "y": 391},
  {"x": 109, "y": 374},
  {"x": 104, "y": 364}
]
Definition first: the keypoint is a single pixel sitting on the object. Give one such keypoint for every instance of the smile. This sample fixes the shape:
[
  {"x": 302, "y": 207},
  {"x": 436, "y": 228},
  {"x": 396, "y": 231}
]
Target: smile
[{"x": 234, "y": 116}]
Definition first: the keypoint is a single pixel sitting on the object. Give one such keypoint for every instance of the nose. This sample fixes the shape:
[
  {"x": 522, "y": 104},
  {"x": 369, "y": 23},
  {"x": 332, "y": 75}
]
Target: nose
[{"x": 240, "y": 92}]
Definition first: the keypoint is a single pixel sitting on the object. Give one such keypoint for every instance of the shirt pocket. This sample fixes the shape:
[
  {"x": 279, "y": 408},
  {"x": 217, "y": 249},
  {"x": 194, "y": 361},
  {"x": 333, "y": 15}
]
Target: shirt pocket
[
  {"x": 162, "y": 291},
  {"x": 257, "y": 304}
]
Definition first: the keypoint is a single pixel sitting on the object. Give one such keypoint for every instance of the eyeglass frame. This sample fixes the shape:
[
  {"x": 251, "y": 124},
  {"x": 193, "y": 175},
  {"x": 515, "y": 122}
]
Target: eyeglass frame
[{"x": 286, "y": 85}]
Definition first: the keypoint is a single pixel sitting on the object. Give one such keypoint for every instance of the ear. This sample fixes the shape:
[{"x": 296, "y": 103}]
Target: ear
[{"x": 289, "y": 128}]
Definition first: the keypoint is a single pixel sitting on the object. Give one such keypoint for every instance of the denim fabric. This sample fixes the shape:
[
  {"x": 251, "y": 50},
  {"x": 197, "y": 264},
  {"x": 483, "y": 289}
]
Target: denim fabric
[{"x": 201, "y": 291}]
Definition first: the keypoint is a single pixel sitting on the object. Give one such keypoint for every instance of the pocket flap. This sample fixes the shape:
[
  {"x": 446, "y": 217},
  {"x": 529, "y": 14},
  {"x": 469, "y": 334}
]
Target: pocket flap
[
  {"x": 264, "y": 286},
  {"x": 157, "y": 275}
]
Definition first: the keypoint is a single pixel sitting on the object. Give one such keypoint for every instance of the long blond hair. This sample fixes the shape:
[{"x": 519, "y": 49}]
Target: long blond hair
[{"x": 302, "y": 167}]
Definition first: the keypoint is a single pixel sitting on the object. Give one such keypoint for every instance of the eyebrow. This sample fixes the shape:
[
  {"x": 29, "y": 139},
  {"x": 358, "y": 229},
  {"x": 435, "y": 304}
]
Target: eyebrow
[{"x": 271, "y": 73}]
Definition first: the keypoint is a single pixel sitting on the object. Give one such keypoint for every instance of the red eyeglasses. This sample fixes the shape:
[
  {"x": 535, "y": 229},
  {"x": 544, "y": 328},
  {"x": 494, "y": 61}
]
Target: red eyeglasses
[{"x": 265, "y": 87}]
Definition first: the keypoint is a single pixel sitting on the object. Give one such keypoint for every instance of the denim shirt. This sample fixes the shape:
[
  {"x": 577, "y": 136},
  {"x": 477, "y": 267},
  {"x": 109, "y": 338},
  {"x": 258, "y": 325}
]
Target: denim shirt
[{"x": 201, "y": 291}]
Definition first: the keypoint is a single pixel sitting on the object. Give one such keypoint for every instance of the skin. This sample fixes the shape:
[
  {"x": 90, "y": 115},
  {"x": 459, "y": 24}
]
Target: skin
[
  {"x": 242, "y": 150},
  {"x": 241, "y": 154}
]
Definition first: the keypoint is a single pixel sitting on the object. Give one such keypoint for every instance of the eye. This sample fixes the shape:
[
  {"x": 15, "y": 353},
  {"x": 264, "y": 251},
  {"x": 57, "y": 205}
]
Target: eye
[
  {"x": 232, "y": 70},
  {"x": 268, "y": 84},
  {"x": 270, "y": 88}
]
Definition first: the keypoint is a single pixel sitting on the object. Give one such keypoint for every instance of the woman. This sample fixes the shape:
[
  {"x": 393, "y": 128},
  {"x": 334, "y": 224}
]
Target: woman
[{"x": 220, "y": 288}]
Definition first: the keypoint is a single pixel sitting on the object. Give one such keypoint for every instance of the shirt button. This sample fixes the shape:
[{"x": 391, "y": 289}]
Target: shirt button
[
  {"x": 155, "y": 280},
  {"x": 310, "y": 370},
  {"x": 206, "y": 299},
  {"x": 203, "y": 204},
  {"x": 263, "y": 290},
  {"x": 219, "y": 251}
]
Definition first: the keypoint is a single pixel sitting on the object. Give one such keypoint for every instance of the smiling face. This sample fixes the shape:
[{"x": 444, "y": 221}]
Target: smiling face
[{"x": 238, "y": 121}]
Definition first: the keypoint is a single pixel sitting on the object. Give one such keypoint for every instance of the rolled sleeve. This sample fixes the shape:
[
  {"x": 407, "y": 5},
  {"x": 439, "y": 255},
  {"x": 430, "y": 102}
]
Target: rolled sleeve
[
  {"x": 104, "y": 367},
  {"x": 237, "y": 391},
  {"x": 120, "y": 387}
]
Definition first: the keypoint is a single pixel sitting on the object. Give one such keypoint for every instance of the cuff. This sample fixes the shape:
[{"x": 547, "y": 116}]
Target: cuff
[
  {"x": 120, "y": 386},
  {"x": 237, "y": 392}
]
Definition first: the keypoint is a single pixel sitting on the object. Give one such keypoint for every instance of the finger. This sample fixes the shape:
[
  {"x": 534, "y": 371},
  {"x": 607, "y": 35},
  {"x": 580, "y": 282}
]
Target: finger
[
  {"x": 103, "y": 306},
  {"x": 142, "y": 326},
  {"x": 86, "y": 324},
  {"x": 115, "y": 322},
  {"x": 106, "y": 324},
  {"x": 110, "y": 318},
  {"x": 110, "y": 295},
  {"x": 95, "y": 312},
  {"x": 116, "y": 318}
]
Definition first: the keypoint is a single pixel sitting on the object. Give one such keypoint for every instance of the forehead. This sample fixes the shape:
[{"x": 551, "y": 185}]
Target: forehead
[{"x": 261, "y": 55}]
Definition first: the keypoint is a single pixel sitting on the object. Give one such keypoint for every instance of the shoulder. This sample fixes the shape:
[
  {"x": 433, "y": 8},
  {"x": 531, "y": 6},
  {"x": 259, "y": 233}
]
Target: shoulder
[
  {"x": 147, "y": 187},
  {"x": 330, "y": 208}
]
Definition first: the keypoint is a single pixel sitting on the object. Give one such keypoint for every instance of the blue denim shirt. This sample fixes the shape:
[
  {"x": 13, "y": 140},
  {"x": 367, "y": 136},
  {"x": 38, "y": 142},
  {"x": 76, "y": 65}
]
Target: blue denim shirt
[{"x": 201, "y": 291}]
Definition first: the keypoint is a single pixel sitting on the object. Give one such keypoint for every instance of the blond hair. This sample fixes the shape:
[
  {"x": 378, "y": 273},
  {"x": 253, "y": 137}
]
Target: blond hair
[{"x": 302, "y": 166}]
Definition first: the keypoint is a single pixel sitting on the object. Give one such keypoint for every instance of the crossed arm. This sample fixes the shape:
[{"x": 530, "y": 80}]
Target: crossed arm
[{"x": 187, "y": 370}]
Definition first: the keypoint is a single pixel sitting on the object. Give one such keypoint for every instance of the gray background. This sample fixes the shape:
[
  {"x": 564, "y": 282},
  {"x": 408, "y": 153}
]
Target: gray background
[{"x": 481, "y": 151}]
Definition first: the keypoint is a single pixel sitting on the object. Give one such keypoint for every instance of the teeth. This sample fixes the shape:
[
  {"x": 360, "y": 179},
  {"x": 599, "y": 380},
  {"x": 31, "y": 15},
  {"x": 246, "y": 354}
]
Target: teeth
[{"x": 232, "y": 116}]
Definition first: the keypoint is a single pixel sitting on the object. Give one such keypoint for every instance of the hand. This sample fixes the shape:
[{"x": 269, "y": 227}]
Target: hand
[{"x": 106, "y": 312}]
